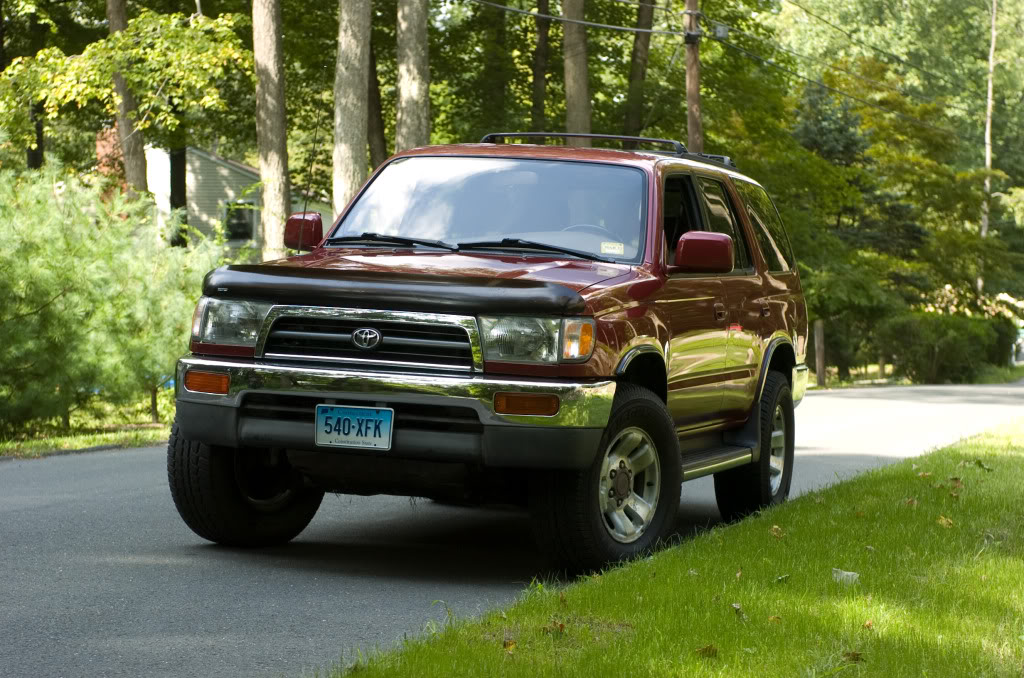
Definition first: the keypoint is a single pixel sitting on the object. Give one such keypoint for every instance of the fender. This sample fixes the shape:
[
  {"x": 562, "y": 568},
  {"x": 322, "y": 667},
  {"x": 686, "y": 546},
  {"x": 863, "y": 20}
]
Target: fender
[
  {"x": 749, "y": 435},
  {"x": 635, "y": 351}
]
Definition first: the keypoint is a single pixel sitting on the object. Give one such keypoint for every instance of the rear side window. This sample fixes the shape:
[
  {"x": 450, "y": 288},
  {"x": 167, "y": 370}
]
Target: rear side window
[
  {"x": 722, "y": 220},
  {"x": 771, "y": 234}
]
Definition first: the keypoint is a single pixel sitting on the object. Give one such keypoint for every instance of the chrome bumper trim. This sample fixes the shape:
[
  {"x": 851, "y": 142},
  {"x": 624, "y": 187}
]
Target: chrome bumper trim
[
  {"x": 583, "y": 404},
  {"x": 800, "y": 373}
]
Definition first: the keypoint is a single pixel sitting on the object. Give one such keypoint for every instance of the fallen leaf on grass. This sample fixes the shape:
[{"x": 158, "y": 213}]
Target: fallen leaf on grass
[
  {"x": 870, "y": 548},
  {"x": 739, "y": 573},
  {"x": 924, "y": 474},
  {"x": 869, "y": 625},
  {"x": 844, "y": 577},
  {"x": 775, "y": 618},
  {"x": 913, "y": 466},
  {"x": 945, "y": 522},
  {"x": 939, "y": 486},
  {"x": 708, "y": 651},
  {"x": 782, "y": 579},
  {"x": 956, "y": 482},
  {"x": 911, "y": 501},
  {"x": 739, "y": 611},
  {"x": 955, "y": 495},
  {"x": 509, "y": 645},
  {"x": 693, "y": 572},
  {"x": 777, "y": 532},
  {"x": 853, "y": 657}
]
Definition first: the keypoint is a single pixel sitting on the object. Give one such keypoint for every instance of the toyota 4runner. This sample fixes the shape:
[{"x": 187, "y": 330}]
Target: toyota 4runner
[{"x": 574, "y": 329}]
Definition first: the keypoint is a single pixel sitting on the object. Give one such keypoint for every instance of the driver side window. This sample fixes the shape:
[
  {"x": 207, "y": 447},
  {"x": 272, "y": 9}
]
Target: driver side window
[{"x": 679, "y": 213}]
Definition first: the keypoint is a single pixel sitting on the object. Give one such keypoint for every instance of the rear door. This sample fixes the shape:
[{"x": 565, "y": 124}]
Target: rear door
[{"x": 746, "y": 306}]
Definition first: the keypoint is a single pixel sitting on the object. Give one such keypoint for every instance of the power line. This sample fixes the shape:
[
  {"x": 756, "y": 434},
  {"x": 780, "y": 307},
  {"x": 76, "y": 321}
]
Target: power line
[
  {"x": 748, "y": 53},
  {"x": 839, "y": 69},
  {"x": 872, "y": 47}
]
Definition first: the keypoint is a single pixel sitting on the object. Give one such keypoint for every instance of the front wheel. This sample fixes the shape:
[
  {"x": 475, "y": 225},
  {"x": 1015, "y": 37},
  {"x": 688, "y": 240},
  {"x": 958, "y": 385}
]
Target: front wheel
[
  {"x": 741, "y": 491},
  {"x": 625, "y": 502},
  {"x": 238, "y": 497}
]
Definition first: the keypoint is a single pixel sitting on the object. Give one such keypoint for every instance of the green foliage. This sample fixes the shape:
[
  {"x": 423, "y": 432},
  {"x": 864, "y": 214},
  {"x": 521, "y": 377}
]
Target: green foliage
[
  {"x": 95, "y": 304},
  {"x": 936, "y": 348}
]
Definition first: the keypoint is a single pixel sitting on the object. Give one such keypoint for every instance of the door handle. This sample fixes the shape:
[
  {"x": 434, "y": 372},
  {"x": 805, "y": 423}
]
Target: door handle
[{"x": 720, "y": 312}]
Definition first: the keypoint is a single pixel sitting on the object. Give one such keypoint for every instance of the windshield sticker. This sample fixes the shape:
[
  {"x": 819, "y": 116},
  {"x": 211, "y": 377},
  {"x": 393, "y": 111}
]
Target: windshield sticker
[{"x": 613, "y": 248}]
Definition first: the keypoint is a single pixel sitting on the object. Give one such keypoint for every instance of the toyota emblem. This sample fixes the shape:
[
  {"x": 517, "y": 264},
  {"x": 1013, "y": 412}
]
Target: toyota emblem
[{"x": 366, "y": 338}]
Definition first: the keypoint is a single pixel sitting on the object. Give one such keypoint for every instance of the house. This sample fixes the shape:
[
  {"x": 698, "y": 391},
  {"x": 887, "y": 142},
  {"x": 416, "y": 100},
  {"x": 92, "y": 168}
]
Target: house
[{"x": 217, "y": 191}]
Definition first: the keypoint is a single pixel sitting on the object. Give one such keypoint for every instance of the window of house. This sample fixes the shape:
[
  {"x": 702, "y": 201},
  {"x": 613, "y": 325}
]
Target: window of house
[
  {"x": 722, "y": 219},
  {"x": 240, "y": 219}
]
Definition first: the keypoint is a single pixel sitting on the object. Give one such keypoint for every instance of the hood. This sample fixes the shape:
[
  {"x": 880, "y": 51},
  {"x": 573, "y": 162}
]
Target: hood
[{"x": 464, "y": 283}]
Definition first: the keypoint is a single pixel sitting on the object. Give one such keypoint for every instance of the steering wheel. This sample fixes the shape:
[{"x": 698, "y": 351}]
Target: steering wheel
[{"x": 601, "y": 230}]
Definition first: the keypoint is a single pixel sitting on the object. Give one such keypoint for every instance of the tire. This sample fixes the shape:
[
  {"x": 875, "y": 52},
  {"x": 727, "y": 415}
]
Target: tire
[
  {"x": 238, "y": 497},
  {"x": 743, "y": 490},
  {"x": 582, "y": 519}
]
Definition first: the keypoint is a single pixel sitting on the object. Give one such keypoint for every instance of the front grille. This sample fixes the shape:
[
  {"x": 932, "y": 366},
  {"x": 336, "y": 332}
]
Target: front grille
[
  {"x": 407, "y": 416},
  {"x": 402, "y": 343}
]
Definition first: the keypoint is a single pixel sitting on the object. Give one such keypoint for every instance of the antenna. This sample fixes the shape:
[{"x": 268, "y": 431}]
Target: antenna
[{"x": 309, "y": 178}]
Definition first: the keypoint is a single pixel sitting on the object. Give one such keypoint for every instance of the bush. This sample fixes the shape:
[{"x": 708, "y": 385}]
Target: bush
[
  {"x": 94, "y": 304},
  {"x": 934, "y": 348}
]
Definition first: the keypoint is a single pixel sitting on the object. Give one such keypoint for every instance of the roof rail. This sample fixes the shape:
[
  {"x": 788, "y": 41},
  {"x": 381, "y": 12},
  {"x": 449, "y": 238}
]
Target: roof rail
[{"x": 493, "y": 138}]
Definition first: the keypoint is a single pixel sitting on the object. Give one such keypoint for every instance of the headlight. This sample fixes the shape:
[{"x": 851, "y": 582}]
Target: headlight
[
  {"x": 228, "y": 322},
  {"x": 519, "y": 339}
]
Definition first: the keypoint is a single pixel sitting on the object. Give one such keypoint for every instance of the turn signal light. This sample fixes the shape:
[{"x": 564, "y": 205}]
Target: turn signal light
[
  {"x": 207, "y": 382},
  {"x": 577, "y": 339},
  {"x": 543, "y": 404}
]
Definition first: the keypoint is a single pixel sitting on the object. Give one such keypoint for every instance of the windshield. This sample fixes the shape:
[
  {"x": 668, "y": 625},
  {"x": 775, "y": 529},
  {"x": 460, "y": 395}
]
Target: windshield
[{"x": 588, "y": 207}]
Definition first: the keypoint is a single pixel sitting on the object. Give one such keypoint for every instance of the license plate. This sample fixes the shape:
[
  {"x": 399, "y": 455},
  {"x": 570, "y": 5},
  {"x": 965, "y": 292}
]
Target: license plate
[{"x": 365, "y": 427}]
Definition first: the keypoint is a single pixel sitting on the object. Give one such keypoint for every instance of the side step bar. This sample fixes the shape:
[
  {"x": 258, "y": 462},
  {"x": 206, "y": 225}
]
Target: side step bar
[{"x": 706, "y": 462}]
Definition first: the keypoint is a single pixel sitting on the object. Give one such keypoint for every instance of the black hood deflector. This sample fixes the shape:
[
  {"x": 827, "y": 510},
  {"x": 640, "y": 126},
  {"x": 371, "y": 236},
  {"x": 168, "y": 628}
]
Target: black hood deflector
[{"x": 391, "y": 290}]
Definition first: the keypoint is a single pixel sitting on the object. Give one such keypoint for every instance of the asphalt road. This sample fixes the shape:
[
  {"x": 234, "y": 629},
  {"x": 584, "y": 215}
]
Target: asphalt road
[{"x": 99, "y": 576}]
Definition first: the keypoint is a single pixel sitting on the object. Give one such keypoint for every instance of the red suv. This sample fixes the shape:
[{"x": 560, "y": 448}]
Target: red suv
[{"x": 575, "y": 329}]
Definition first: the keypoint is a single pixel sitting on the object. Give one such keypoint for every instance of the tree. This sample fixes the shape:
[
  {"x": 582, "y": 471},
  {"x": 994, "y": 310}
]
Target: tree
[
  {"x": 133, "y": 152},
  {"x": 271, "y": 124},
  {"x": 413, "y": 120},
  {"x": 375, "y": 116},
  {"x": 350, "y": 110},
  {"x": 634, "y": 124},
  {"x": 538, "y": 119},
  {"x": 577, "y": 91}
]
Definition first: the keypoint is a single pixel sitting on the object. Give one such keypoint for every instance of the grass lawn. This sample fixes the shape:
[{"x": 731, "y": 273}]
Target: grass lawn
[
  {"x": 51, "y": 444},
  {"x": 937, "y": 545},
  {"x": 1001, "y": 375}
]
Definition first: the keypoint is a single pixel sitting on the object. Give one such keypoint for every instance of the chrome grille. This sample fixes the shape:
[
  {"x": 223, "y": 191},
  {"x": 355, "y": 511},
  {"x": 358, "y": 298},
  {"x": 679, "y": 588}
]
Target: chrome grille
[{"x": 403, "y": 343}]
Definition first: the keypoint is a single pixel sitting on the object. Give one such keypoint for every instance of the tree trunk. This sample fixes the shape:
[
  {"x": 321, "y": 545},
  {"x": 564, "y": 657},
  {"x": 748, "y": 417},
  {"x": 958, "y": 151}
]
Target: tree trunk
[
  {"x": 819, "y": 351},
  {"x": 577, "y": 94},
  {"x": 133, "y": 149},
  {"x": 493, "y": 87},
  {"x": 412, "y": 126},
  {"x": 350, "y": 107},
  {"x": 634, "y": 125},
  {"x": 179, "y": 191},
  {"x": 375, "y": 121},
  {"x": 538, "y": 117},
  {"x": 988, "y": 137},
  {"x": 271, "y": 125},
  {"x": 152, "y": 406},
  {"x": 34, "y": 154},
  {"x": 694, "y": 125}
]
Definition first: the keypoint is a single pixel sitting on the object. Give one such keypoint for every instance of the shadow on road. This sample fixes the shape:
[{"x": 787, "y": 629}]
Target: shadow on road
[{"x": 427, "y": 543}]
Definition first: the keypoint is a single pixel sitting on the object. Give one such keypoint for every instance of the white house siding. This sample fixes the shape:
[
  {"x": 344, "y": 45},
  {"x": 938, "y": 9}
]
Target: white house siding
[{"x": 211, "y": 183}]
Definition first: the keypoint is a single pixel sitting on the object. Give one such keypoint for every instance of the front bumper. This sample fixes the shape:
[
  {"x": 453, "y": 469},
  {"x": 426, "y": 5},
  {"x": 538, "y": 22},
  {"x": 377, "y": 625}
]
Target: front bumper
[{"x": 568, "y": 439}]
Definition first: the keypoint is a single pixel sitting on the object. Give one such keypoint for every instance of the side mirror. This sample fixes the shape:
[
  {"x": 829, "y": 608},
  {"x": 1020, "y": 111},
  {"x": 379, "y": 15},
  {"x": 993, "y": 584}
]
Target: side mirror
[
  {"x": 703, "y": 252},
  {"x": 303, "y": 231}
]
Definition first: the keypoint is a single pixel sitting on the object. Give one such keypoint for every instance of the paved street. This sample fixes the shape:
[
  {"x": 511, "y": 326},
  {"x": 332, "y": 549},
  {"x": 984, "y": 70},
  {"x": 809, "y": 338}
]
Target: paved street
[{"x": 99, "y": 576}]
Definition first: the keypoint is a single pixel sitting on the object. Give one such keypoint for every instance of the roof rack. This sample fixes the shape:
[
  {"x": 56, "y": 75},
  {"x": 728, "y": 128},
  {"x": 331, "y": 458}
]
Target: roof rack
[
  {"x": 678, "y": 150},
  {"x": 493, "y": 138}
]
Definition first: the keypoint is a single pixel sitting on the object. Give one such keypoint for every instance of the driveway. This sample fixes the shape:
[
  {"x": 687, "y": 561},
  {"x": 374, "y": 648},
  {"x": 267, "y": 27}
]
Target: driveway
[{"x": 99, "y": 576}]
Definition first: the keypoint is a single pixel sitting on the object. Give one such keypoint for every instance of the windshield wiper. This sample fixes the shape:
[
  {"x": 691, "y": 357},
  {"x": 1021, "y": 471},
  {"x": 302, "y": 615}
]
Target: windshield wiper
[
  {"x": 519, "y": 243},
  {"x": 390, "y": 240}
]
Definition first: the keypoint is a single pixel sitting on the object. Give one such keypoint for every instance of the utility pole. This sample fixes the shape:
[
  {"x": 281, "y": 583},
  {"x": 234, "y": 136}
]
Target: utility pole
[
  {"x": 985, "y": 205},
  {"x": 694, "y": 128}
]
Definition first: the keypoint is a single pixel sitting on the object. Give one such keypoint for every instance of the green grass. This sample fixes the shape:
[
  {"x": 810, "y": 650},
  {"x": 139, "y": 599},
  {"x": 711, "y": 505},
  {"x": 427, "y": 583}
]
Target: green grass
[
  {"x": 1000, "y": 375},
  {"x": 938, "y": 543},
  {"x": 53, "y": 444}
]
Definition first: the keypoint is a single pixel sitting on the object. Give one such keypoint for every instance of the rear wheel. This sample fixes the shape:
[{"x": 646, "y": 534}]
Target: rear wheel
[
  {"x": 625, "y": 502},
  {"x": 238, "y": 497},
  {"x": 745, "y": 489}
]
